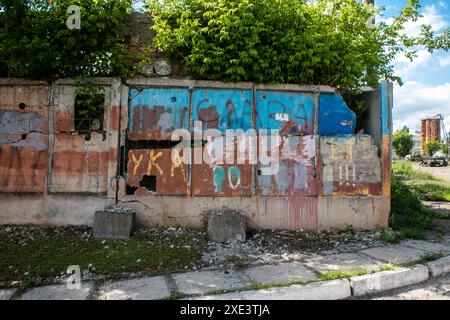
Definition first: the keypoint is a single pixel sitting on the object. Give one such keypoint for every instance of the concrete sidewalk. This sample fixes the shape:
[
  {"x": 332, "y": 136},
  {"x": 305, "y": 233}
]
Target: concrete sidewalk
[{"x": 358, "y": 273}]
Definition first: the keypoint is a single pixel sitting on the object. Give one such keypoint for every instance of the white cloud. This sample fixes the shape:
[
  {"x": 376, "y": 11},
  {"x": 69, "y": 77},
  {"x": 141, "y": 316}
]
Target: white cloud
[
  {"x": 404, "y": 66},
  {"x": 415, "y": 100},
  {"x": 444, "y": 61},
  {"x": 430, "y": 16}
]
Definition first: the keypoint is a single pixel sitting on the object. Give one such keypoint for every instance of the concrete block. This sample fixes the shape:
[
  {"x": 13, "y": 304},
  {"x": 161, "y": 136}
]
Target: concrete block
[
  {"x": 59, "y": 292},
  {"x": 396, "y": 254},
  {"x": 201, "y": 282},
  {"x": 6, "y": 294},
  {"x": 343, "y": 262},
  {"x": 226, "y": 226},
  {"x": 112, "y": 224},
  {"x": 439, "y": 267},
  {"x": 162, "y": 67},
  {"x": 149, "y": 288},
  {"x": 279, "y": 273},
  {"x": 387, "y": 280},
  {"x": 326, "y": 290}
]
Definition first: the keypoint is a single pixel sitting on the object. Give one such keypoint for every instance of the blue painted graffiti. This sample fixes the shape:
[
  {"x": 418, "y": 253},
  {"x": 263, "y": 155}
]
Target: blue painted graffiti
[{"x": 289, "y": 112}]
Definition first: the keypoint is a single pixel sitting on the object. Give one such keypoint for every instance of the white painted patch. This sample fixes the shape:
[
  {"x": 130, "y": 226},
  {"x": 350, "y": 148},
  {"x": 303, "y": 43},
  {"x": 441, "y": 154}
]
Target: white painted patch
[{"x": 281, "y": 116}]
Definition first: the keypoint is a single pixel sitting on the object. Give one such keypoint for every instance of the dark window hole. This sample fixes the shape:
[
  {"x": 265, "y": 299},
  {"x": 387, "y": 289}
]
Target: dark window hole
[
  {"x": 131, "y": 190},
  {"x": 148, "y": 182}
]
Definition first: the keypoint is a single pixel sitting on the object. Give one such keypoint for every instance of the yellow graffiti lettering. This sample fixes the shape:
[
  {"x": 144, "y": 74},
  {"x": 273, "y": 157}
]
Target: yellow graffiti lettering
[
  {"x": 137, "y": 162},
  {"x": 152, "y": 162},
  {"x": 177, "y": 163}
]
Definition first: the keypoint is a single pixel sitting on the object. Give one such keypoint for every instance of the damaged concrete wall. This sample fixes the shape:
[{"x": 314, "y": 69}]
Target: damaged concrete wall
[
  {"x": 328, "y": 176},
  {"x": 47, "y": 169}
]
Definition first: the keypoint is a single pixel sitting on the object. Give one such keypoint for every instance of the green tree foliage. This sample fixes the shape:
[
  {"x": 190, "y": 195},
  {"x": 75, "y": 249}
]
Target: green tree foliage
[
  {"x": 35, "y": 41},
  {"x": 431, "y": 147},
  {"x": 402, "y": 141},
  {"x": 290, "y": 41}
]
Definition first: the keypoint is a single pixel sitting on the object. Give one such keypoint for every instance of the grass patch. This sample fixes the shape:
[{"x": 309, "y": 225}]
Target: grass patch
[
  {"x": 389, "y": 267},
  {"x": 45, "y": 255},
  {"x": 430, "y": 257},
  {"x": 338, "y": 274},
  {"x": 427, "y": 186}
]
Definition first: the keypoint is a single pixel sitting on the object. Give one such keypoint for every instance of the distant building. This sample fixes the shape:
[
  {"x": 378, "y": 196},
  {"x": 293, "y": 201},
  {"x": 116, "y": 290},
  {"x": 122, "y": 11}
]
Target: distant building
[{"x": 416, "y": 147}]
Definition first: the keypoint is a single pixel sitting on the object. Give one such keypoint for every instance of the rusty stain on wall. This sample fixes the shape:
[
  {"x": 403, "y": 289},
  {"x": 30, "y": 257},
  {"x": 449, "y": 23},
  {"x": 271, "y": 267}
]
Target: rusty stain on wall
[{"x": 23, "y": 138}]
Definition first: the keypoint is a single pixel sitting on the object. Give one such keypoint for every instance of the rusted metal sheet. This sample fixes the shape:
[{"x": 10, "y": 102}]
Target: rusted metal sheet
[
  {"x": 296, "y": 174},
  {"x": 289, "y": 112},
  {"x": 81, "y": 166},
  {"x": 223, "y": 109},
  {"x": 23, "y": 138},
  {"x": 224, "y": 177},
  {"x": 350, "y": 165},
  {"x": 154, "y": 172},
  {"x": 286, "y": 213},
  {"x": 154, "y": 113}
]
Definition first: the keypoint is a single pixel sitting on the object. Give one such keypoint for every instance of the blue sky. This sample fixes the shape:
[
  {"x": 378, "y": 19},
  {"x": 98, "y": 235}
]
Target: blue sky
[{"x": 426, "y": 89}]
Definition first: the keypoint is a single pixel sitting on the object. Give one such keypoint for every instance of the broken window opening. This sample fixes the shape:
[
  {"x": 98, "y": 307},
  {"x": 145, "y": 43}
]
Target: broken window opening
[
  {"x": 89, "y": 114},
  {"x": 148, "y": 182}
]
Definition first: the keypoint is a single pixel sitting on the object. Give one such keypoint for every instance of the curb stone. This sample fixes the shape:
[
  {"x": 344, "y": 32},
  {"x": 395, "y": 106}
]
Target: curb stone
[
  {"x": 439, "y": 267},
  {"x": 324, "y": 290},
  {"x": 387, "y": 280},
  {"x": 6, "y": 294}
]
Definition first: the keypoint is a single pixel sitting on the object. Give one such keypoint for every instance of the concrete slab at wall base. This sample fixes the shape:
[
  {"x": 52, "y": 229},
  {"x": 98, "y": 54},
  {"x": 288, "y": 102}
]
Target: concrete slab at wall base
[
  {"x": 59, "y": 292},
  {"x": 56, "y": 210},
  {"x": 439, "y": 267},
  {"x": 329, "y": 290},
  {"x": 6, "y": 294},
  {"x": 387, "y": 280},
  {"x": 226, "y": 227},
  {"x": 396, "y": 254},
  {"x": 279, "y": 273},
  {"x": 206, "y": 281},
  {"x": 114, "y": 225},
  {"x": 151, "y": 288},
  {"x": 331, "y": 212}
]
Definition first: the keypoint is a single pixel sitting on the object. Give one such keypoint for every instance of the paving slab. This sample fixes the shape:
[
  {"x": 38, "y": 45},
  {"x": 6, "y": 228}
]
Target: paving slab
[
  {"x": 59, "y": 292},
  {"x": 201, "y": 282},
  {"x": 279, "y": 273},
  {"x": 6, "y": 294},
  {"x": 395, "y": 254},
  {"x": 343, "y": 262},
  {"x": 387, "y": 280},
  {"x": 429, "y": 247},
  {"x": 326, "y": 290},
  {"x": 148, "y": 288}
]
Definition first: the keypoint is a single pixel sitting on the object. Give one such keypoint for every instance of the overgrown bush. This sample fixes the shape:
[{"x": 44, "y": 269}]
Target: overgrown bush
[
  {"x": 288, "y": 41},
  {"x": 35, "y": 41},
  {"x": 431, "y": 147}
]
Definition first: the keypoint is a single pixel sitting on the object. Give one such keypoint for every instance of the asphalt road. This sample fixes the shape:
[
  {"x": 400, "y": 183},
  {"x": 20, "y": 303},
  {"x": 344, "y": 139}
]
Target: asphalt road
[{"x": 433, "y": 289}]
